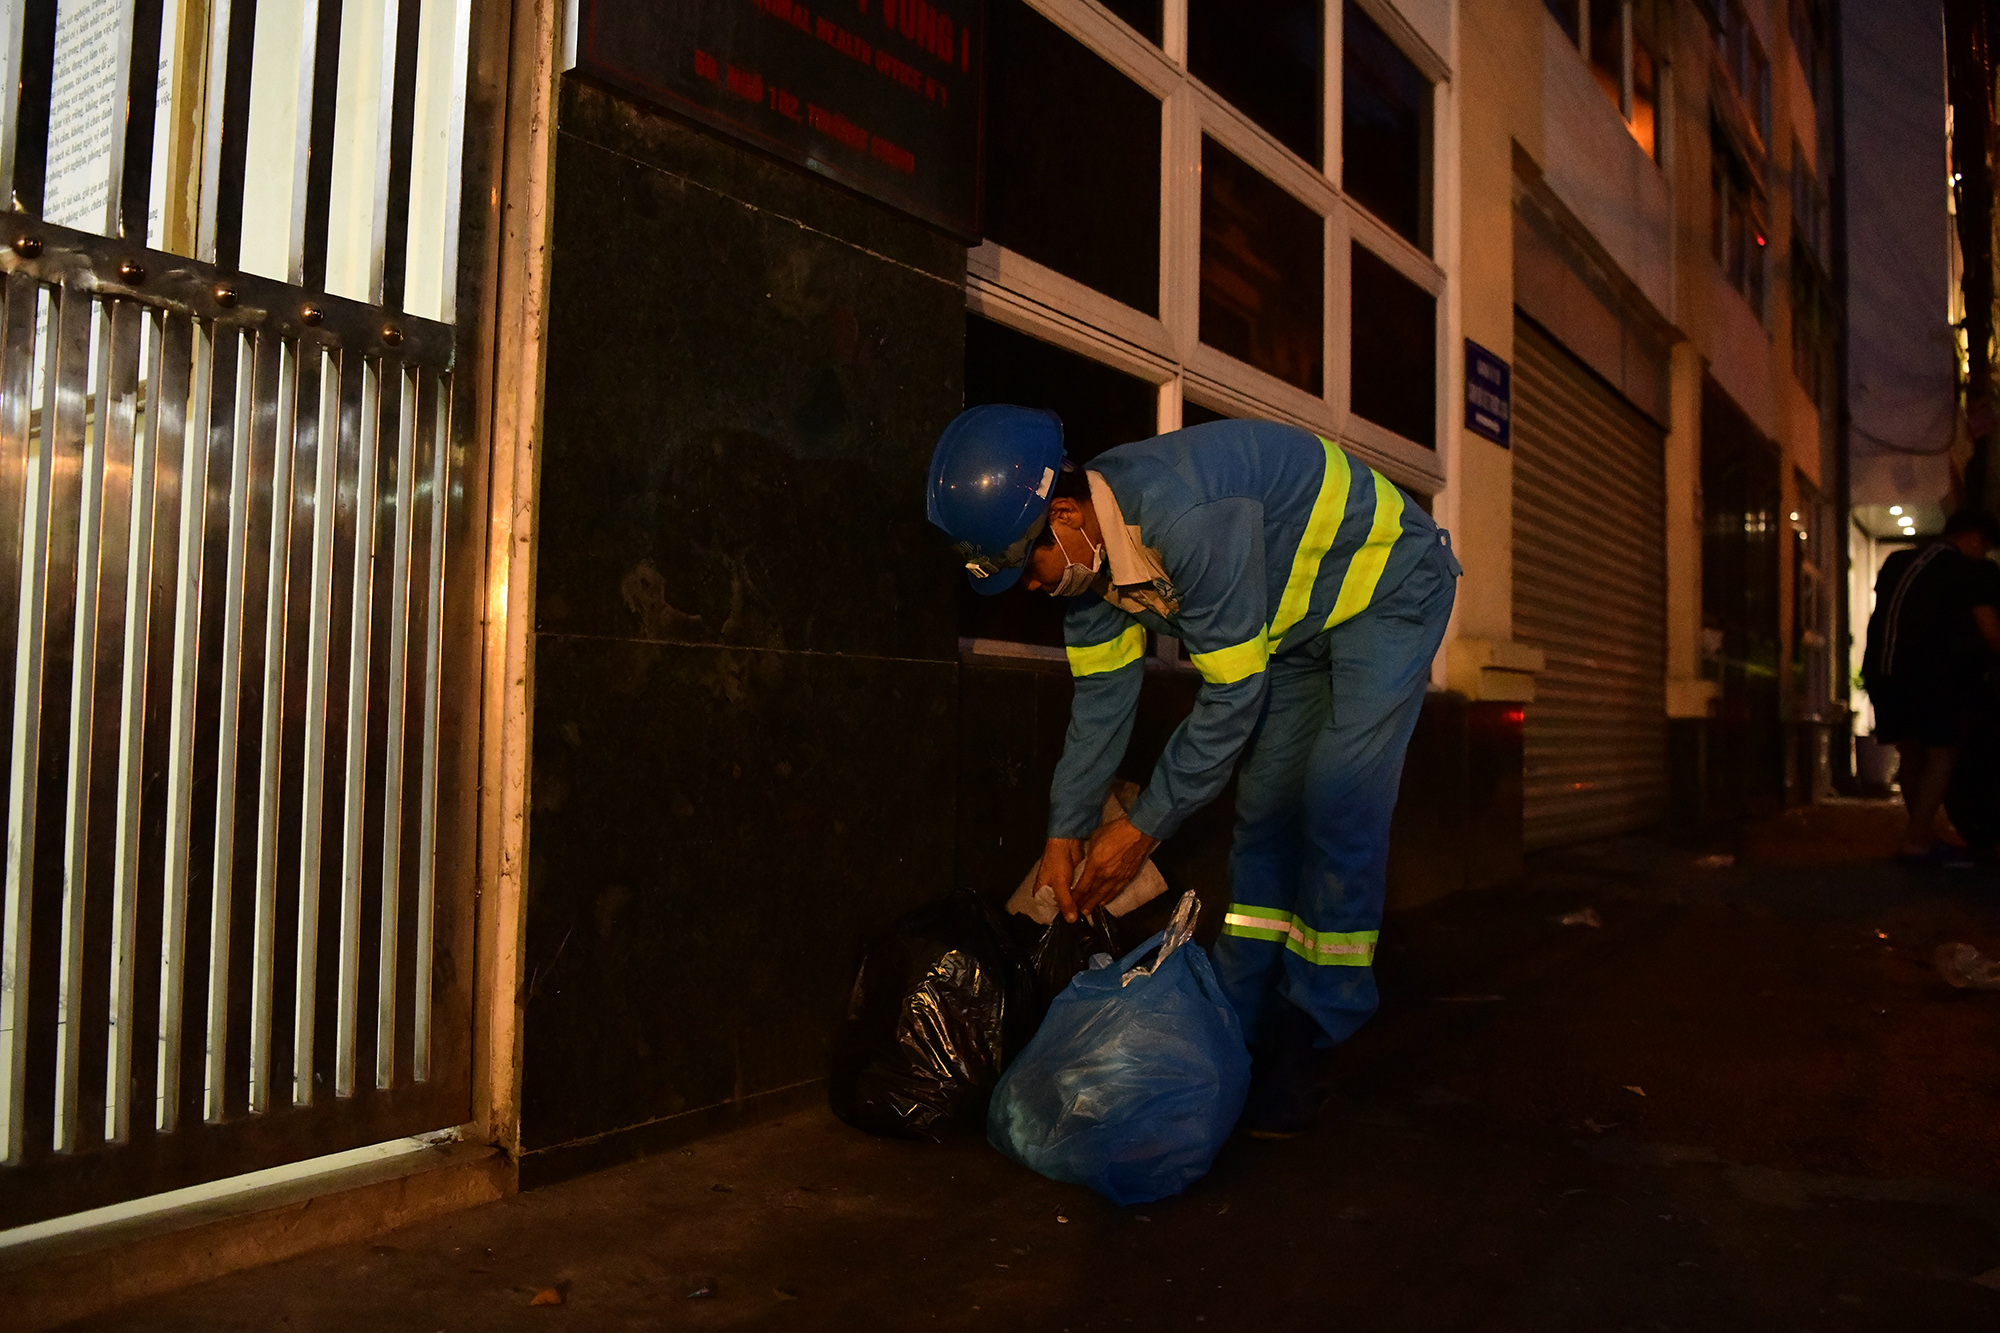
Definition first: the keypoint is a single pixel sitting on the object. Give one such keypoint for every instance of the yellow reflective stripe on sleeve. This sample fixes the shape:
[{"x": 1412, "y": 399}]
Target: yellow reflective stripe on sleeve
[
  {"x": 1097, "y": 658},
  {"x": 1226, "y": 666},
  {"x": 1328, "y": 948},
  {"x": 1321, "y": 529},
  {"x": 1364, "y": 571}
]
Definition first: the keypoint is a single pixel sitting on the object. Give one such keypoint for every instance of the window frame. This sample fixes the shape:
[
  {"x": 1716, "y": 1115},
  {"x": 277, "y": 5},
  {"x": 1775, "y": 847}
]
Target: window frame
[
  {"x": 1013, "y": 290},
  {"x": 1629, "y": 39}
]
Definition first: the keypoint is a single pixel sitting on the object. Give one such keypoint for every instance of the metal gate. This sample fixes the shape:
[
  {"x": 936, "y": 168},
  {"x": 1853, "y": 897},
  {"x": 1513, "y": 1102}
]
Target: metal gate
[
  {"x": 1590, "y": 592},
  {"x": 237, "y": 651}
]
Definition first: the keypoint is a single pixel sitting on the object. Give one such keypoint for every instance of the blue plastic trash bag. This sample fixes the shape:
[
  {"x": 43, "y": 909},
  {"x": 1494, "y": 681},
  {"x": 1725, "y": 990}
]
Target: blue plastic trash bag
[{"x": 1135, "y": 1079}]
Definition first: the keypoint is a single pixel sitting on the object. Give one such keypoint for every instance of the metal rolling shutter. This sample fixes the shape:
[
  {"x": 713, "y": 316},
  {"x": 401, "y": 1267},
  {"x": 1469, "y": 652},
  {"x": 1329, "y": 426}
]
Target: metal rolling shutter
[{"x": 1590, "y": 592}]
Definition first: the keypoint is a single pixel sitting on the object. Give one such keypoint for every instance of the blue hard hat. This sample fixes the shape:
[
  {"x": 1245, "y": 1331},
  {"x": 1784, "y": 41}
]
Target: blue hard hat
[{"x": 991, "y": 475}]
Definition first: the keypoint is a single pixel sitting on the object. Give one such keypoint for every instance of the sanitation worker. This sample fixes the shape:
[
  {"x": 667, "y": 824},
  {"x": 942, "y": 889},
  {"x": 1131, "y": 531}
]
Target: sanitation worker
[{"x": 1311, "y": 595}]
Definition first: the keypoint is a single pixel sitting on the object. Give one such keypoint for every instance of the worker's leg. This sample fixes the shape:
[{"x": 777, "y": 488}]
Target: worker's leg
[
  {"x": 1380, "y": 668},
  {"x": 1266, "y": 857}
]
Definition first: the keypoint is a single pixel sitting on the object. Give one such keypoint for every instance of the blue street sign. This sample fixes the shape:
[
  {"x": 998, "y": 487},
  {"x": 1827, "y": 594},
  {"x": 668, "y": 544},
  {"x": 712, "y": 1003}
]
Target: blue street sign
[{"x": 1489, "y": 395}]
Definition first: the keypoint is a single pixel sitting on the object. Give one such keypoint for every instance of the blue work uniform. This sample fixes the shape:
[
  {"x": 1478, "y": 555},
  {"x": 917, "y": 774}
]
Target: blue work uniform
[{"x": 1311, "y": 595}]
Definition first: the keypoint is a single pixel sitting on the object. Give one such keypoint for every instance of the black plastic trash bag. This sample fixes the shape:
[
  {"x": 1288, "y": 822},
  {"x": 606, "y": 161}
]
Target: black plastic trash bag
[
  {"x": 1065, "y": 949},
  {"x": 942, "y": 1001}
]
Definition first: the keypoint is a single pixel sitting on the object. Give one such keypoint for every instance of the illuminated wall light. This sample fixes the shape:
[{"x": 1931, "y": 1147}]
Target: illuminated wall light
[{"x": 1895, "y": 509}]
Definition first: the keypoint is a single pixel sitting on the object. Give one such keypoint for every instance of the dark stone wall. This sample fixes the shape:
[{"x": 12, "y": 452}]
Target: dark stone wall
[{"x": 746, "y": 659}]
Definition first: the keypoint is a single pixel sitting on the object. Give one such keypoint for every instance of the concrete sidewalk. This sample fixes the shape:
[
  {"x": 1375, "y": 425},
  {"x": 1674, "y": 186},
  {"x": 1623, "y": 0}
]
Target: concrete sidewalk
[{"x": 1742, "y": 1102}]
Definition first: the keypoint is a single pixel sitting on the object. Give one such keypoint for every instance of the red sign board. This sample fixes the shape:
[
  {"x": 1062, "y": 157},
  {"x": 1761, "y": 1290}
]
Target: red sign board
[{"x": 880, "y": 95}]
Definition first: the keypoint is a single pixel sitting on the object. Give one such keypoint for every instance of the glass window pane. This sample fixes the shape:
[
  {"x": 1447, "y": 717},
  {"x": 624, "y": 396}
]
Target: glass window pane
[
  {"x": 1143, "y": 15},
  {"x": 1262, "y": 271},
  {"x": 1072, "y": 159},
  {"x": 1194, "y": 414},
  {"x": 1393, "y": 333},
  {"x": 1566, "y": 14},
  {"x": 1607, "y": 53},
  {"x": 1645, "y": 97},
  {"x": 1385, "y": 130},
  {"x": 1263, "y": 57},
  {"x": 1099, "y": 407}
]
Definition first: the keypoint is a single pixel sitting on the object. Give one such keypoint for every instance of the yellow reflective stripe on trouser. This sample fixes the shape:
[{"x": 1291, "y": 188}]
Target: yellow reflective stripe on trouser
[
  {"x": 1328, "y": 948},
  {"x": 1097, "y": 658},
  {"x": 1226, "y": 666},
  {"x": 1364, "y": 571},
  {"x": 1321, "y": 529}
]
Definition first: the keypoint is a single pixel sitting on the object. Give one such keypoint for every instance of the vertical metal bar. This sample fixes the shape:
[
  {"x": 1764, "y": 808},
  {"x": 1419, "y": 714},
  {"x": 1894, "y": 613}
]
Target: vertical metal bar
[
  {"x": 83, "y": 695},
  {"x": 229, "y": 132},
  {"x": 121, "y": 77},
  {"x": 65, "y": 409},
  {"x": 180, "y": 744},
  {"x": 270, "y": 766},
  {"x": 312, "y": 52},
  {"x": 34, "y": 77},
  {"x": 393, "y": 220},
  {"x": 385, "y": 93},
  {"x": 215, "y": 97},
  {"x": 141, "y": 110},
  {"x": 439, "y": 423},
  {"x": 25, "y": 513},
  {"x": 10, "y": 91},
  {"x": 165, "y": 373},
  {"x": 393, "y": 705},
  {"x": 354, "y": 784},
  {"x": 283, "y": 815},
  {"x": 233, "y": 354},
  {"x": 387, "y": 521},
  {"x": 311, "y": 844},
  {"x": 317, "y": 130},
  {"x": 260, "y": 351},
  {"x": 454, "y": 157},
  {"x": 158, "y": 755},
  {"x": 75, "y": 437},
  {"x": 106, "y": 563}
]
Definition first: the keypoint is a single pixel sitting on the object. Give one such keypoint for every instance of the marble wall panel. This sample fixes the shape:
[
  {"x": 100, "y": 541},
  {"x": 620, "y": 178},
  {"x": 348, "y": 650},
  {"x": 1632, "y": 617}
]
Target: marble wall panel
[
  {"x": 741, "y": 404},
  {"x": 715, "y": 832}
]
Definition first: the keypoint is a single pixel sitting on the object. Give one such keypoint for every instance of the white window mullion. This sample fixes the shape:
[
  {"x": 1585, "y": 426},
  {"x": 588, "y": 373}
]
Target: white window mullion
[
  {"x": 1331, "y": 54},
  {"x": 1173, "y": 30},
  {"x": 1337, "y": 305},
  {"x": 1180, "y": 223}
]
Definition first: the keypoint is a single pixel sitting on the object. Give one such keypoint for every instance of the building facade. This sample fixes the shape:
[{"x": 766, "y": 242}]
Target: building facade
[{"x": 1648, "y": 238}]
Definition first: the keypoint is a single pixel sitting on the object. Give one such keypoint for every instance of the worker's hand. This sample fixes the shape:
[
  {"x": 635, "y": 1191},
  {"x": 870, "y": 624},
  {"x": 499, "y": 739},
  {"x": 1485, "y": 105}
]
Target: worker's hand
[
  {"x": 1059, "y": 861},
  {"x": 1116, "y": 852}
]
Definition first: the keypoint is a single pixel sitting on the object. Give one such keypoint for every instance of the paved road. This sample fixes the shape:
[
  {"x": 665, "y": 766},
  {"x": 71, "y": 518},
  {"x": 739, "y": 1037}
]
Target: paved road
[{"x": 1742, "y": 1102}]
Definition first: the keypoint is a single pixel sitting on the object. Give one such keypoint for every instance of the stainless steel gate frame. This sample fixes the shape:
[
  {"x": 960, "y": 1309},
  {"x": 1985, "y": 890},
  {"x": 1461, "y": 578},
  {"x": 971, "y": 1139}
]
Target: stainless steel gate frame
[{"x": 238, "y": 891}]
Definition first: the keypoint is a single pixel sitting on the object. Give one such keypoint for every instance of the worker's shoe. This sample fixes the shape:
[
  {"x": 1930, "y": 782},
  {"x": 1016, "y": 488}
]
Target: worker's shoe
[{"x": 1290, "y": 1079}]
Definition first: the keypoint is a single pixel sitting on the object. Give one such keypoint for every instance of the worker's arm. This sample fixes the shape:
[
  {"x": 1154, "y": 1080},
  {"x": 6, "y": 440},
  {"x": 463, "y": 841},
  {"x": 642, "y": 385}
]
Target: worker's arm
[
  {"x": 1106, "y": 650},
  {"x": 1215, "y": 555}
]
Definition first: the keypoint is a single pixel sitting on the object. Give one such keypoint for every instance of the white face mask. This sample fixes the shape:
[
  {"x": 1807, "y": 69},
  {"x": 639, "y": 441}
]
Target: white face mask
[{"x": 1075, "y": 577}]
